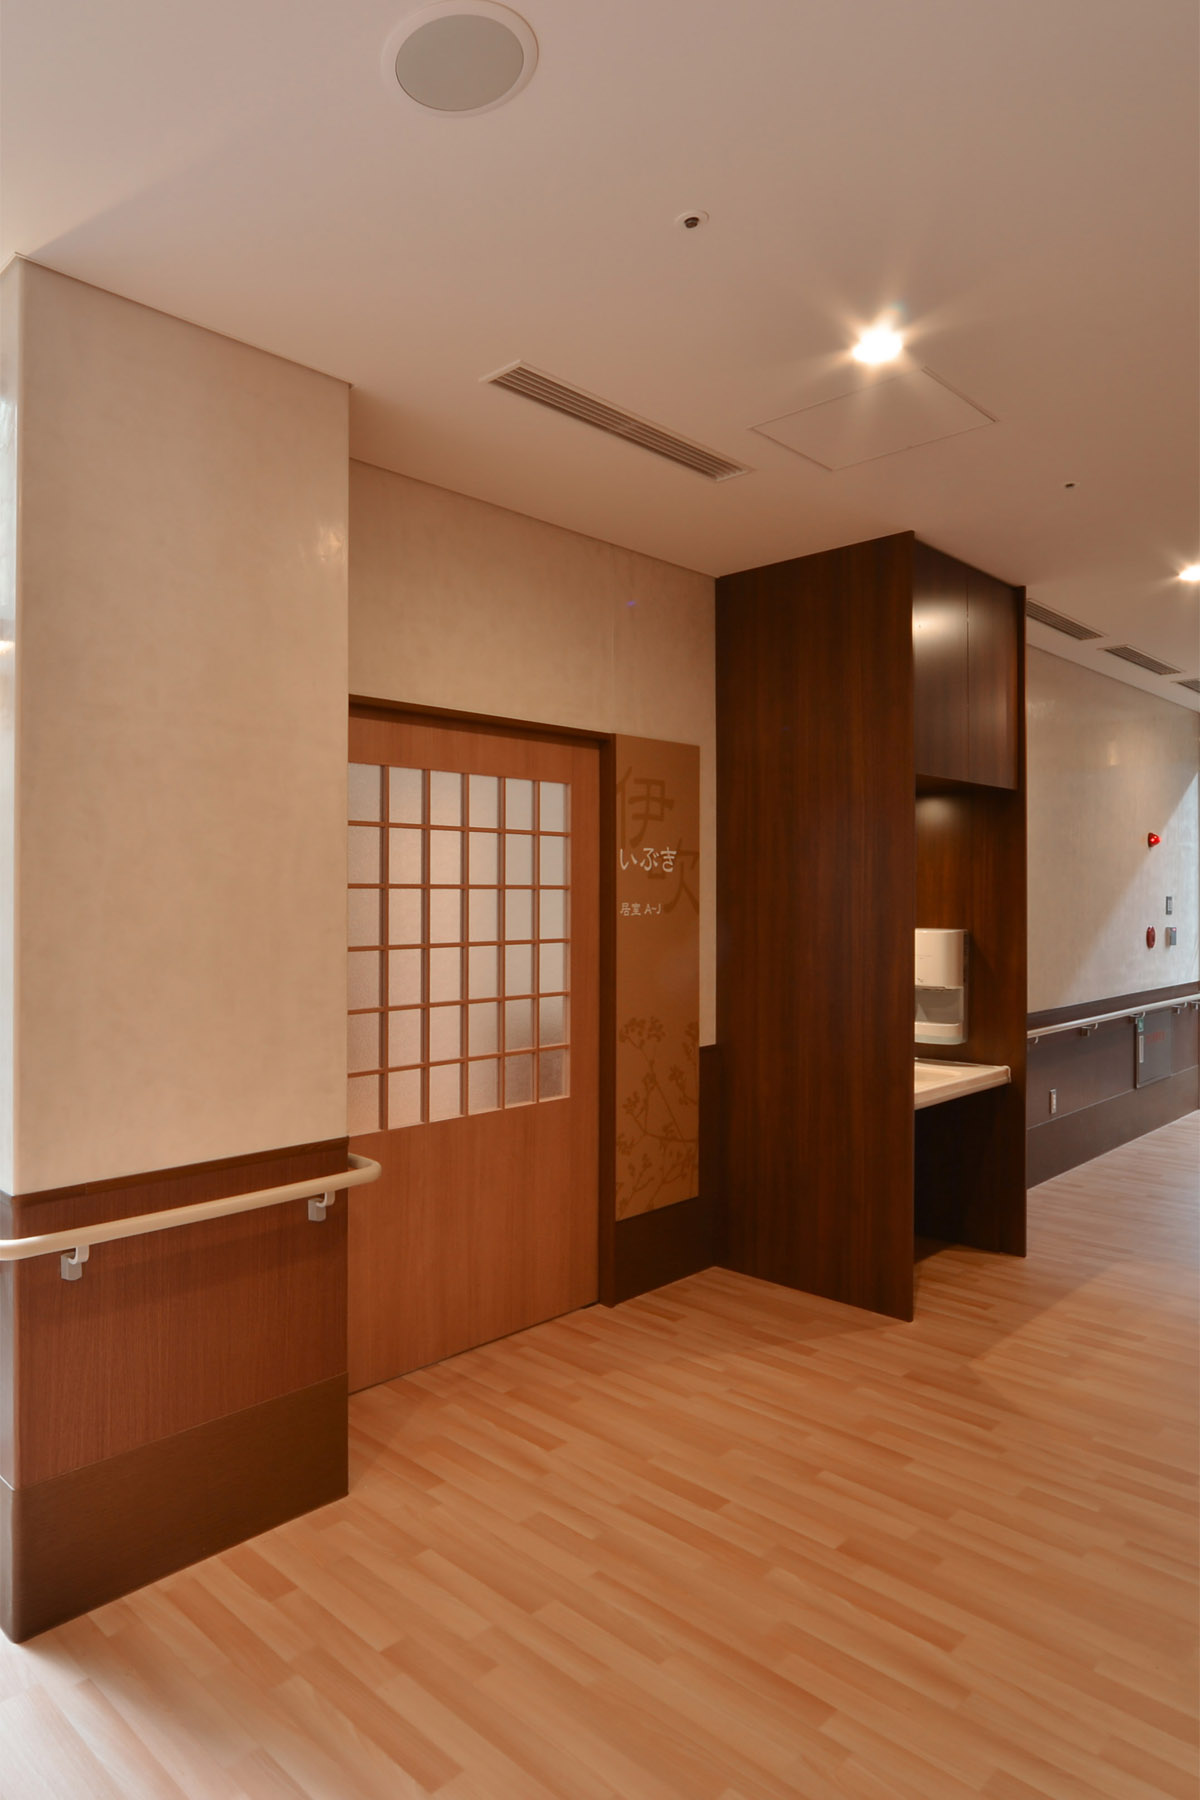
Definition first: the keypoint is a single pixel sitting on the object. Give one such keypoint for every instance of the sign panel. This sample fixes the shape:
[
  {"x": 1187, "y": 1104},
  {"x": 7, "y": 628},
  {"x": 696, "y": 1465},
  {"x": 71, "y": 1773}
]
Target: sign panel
[{"x": 657, "y": 974}]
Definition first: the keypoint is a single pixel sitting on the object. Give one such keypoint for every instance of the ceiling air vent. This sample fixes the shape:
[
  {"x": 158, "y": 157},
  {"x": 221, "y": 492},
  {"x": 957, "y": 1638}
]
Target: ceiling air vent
[
  {"x": 1127, "y": 654},
  {"x": 1058, "y": 622},
  {"x": 1191, "y": 684},
  {"x": 519, "y": 378}
]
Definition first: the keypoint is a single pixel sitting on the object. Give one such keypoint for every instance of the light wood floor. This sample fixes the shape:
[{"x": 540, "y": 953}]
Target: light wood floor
[{"x": 726, "y": 1543}]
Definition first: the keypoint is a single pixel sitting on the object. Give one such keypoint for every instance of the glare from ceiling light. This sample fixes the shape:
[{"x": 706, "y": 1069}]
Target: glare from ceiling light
[
  {"x": 879, "y": 345},
  {"x": 1191, "y": 573}
]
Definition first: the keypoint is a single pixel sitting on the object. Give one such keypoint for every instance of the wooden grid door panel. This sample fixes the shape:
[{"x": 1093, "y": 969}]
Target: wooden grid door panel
[{"x": 472, "y": 1036}]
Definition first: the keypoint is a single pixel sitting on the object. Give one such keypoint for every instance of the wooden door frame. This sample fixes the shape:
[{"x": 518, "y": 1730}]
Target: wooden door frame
[{"x": 605, "y": 741}]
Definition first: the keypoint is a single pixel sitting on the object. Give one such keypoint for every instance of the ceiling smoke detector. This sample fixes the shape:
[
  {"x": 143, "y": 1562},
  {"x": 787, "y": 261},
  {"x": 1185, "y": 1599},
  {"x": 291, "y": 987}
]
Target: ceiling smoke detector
[{"x": 460, "y": 56}]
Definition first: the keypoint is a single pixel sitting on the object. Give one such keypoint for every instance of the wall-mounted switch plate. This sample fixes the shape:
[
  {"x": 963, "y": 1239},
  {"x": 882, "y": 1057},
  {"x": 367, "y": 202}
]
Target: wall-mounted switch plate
[
  {"x": 1172, "y": 937},
  {"x": 1053, "y": 1101},
  {"x": 1170, "y": 903}
]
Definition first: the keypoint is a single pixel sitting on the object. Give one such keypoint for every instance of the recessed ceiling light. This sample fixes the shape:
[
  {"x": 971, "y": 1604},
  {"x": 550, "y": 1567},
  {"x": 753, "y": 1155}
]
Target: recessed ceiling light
[
  {"x": 879, "y": 345},
  {"x": 1191, "y": 573},
  {"x": 460, "y": 56}
]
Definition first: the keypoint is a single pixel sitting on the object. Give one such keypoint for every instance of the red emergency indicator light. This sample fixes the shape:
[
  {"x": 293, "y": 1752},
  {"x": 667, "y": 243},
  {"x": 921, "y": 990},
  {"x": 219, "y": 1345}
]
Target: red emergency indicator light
[{"x": 1152, "y": 838}]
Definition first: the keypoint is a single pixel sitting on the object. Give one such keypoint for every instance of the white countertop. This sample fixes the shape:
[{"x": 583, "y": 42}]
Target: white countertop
[{"x": 934, "y": 1082}]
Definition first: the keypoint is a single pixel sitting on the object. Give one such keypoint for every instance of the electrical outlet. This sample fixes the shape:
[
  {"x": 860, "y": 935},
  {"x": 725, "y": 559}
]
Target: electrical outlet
[{"x": 1053, "y": 1101}]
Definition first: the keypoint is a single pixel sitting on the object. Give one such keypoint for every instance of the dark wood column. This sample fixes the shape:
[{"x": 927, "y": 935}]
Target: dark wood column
[{"x": 815, "y": 905}]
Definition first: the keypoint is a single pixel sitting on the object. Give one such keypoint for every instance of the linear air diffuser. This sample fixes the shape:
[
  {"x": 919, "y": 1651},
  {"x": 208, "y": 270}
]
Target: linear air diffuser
[
  {"x": 1191, "y": 684},
  {"x": 1059, "y": 621},
  {"x": 520, "y": 378},
  {"x": 1128, "y": 654}
]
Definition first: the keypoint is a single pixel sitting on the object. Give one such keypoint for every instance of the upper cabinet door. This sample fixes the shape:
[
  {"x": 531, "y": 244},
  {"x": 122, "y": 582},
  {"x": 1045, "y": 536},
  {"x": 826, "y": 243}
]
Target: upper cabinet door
[
  {"x": 940, "y": 665},
  {"x": 993, "y": 622}
]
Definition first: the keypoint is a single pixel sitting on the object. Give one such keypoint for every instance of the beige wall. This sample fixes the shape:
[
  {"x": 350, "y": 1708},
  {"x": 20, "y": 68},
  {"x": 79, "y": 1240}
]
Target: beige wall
[
  {"x": 10, "y": 337},
  {"x": 180, "y": 744},
  {"x": 458, "y": 604},
  {"x": 1108, "y": 764}
]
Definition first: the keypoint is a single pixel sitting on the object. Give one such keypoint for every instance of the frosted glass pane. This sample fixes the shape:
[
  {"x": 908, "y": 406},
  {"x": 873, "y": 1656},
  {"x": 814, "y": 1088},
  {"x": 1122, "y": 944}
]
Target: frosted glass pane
[
  {"x": 552, "y": 800},
  {"x": 404, "y": 1099},
  {"x": 404, "y": 1037},
  {"x": 445, "y": 974},
  {"x": 483, "y": 1086},
  {"x": 482, "y": 971},
  {"x": 362, "y": 978},
  {"x": 483, "y": 1029},
  {"x": 445, "y": 856},
  {"x": 552, "y": 913},
  {"x": 518, "y": 805},
  {"x": 362, "y": 1104},
  {"x": 445, "y": 798},
  {"x": 484, "y": 910},
  {"x": 404, "y": 977},
  {"x": 518, "y": 1024},
  {"x": 518, "y": 969},
  {"x": 553, "y": 854},
  {"x": 406, "y": 797},
  {"x": 445, "y": 916},
  {"x": 363, "y": 915},
  {"x": 518, "y": 859},
  {"x": 552, "y": 1074},
  {"x": 364, "y": 791},
  {"x": 485, "y": 858},
  {"x": 552, "y": 968},
  {"x": 362, "y": 1042},
  {"x": 518, "y": 1080},
  {"x": 406, "y": 856},
  {"x": 518, "y": 913},
  {"x": 445, "y": 1032},
  {"x": 484, "y": 799},
  {"x": 405, "y": 912},
  {"x": 552, "y": 1020},
  {"x": 445, "y": 1091},
  {"x": 364, "y": 853}
]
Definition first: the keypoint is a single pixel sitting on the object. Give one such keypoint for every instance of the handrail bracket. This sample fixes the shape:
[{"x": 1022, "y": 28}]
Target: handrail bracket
[
  {"x": 71, "y": 1263},
  {"x": 318, "y": 1206}
]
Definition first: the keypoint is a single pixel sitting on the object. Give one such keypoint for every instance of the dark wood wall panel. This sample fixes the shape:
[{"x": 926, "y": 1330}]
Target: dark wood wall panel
[
  {"x": 1081, "y": 1069},
  {"x": 165, "y": 1332},
  {"x": 187, "y": 1391},
  {"x": 1062, "y": 1144},
  {"x": 87, "y": 1537},
  {"x": 815, "y": 947},
  {"x": 1095, "y": 1075}
]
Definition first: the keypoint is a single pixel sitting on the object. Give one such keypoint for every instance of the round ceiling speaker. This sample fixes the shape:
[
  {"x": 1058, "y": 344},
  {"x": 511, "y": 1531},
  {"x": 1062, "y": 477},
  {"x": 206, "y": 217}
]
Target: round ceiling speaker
[{"x": 460, "y": 56}]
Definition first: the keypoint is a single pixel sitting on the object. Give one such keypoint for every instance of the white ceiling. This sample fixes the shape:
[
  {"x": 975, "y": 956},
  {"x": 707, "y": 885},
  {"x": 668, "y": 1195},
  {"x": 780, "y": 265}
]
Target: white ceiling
[{"x": 1019, "y": 178}]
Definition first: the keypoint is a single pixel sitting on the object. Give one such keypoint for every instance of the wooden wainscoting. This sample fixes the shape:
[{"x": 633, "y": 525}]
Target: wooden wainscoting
[
  {"x": 1102, "y": 1097},
  {"x": 188, "y": 1391}
]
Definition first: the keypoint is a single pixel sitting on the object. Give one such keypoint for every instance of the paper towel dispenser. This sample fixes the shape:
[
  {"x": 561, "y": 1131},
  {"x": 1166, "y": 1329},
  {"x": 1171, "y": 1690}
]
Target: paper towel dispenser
[{"x": 941, "y": 993}]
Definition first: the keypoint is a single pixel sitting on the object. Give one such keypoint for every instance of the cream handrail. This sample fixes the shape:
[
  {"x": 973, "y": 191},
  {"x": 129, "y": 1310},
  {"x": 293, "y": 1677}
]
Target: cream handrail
[
  {"x": 1179, "y": 1004},
  {"x": 75, "y": 1243}
]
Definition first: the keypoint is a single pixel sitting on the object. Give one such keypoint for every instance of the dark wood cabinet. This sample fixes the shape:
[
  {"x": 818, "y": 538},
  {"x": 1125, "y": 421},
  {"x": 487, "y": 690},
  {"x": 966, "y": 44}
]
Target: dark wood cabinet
[
  {"x": 994, "y": 625},
  {"x": 940, "y": 660},
  {"x": 966, "y": 644}
]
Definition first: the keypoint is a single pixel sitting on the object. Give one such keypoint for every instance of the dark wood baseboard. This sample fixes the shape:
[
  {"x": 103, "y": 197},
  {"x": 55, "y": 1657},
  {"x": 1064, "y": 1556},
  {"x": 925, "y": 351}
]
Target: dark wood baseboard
[
  {"x": 82, "y": 1539},
  {"x": 1064, "y": 1143},
  {"x": 655, "y": 1248}
]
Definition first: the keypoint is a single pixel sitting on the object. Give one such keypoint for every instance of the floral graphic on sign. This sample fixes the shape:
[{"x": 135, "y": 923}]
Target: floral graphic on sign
[{"x": 655, "y": 1152}]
